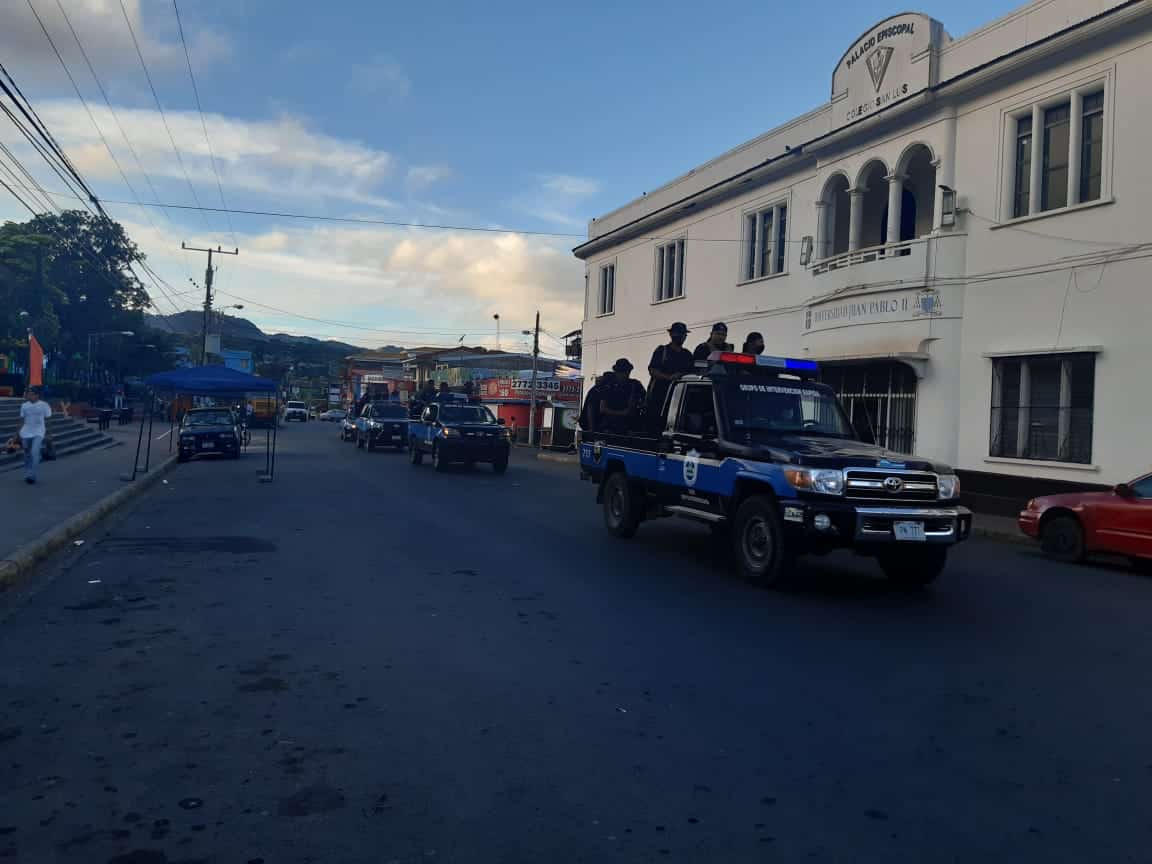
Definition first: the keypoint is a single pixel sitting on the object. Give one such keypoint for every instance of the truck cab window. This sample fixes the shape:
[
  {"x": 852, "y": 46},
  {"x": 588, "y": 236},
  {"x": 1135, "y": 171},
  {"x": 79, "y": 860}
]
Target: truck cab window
[{"x": 697, "y": 412}]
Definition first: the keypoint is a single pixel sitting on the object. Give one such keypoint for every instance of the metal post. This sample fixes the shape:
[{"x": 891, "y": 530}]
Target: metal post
[
  {"x": 535, "y": 359},
  {"x": 275, "y": 427},
  {"x": 148, "y": 450},
  {"x": 136, "y": 461}
]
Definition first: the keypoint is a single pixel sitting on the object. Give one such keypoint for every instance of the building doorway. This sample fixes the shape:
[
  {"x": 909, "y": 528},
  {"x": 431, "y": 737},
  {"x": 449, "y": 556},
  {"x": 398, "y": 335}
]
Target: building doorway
[{"x": 880, "y": 398}]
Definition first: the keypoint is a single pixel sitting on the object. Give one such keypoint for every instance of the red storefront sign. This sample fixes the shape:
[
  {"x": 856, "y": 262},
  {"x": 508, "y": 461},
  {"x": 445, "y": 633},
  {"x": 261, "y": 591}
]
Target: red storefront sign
[{"x": 566, "y": 390}]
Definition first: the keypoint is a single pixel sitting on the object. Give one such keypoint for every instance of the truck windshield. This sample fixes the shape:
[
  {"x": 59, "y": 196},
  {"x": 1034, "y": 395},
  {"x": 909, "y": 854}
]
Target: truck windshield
[
  {"x": 465, "y": 414},
  {"x": 390, "y": 412},
  {"x": 782, "y": 407}
]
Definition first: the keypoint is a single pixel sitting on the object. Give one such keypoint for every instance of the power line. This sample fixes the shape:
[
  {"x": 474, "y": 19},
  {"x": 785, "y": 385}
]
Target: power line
[
  {"x": 160, "y": 108},
  {"x": 203, "y": 123}
]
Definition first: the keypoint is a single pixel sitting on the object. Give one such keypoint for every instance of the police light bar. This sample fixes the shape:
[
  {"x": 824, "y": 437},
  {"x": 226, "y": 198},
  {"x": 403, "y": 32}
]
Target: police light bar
[{"x": 733, "y": 358}]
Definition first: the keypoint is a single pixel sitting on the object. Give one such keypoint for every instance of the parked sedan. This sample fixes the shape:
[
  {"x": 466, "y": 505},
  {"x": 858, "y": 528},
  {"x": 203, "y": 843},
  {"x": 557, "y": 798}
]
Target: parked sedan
[
  {"x": 333, "y": 415},
  {"x": 1076, "y": 524},
  {"x": 382, "y": 424},
  {"x": 208, "y": 431}
]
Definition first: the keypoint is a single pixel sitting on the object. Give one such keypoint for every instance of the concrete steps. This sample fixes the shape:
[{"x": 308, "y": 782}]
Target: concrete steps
[{"x": 71, "y": 436}]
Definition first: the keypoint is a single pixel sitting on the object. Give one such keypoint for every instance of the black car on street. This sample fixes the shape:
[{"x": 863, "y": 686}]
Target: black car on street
[
  {"x": 213, "y": 431},
  {"x": 453, "y": 431},
  {"x": 382, "y": 424}
]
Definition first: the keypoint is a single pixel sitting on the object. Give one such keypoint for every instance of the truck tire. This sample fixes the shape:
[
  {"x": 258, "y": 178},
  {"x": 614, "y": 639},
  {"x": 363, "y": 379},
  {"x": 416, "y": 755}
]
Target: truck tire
[
  {"x": 1062, "y": 539},
  {"x": 414, "y": 454},
  {"x": 438, "y": 463},
  {"x": 758, "y": 541},
  {"x": 913, "y": 568},
  {"x": 621, "y": 508},
  {"x": 500, "y": 465}
]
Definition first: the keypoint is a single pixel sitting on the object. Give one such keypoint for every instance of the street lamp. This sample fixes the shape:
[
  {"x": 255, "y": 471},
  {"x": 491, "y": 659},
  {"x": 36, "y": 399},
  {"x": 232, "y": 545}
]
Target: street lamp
[{"x": 496, "y": 317}]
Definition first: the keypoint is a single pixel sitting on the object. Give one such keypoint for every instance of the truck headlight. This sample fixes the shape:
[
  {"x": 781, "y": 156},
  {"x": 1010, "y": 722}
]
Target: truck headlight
[
  {"x": 948, "y": 487},
  {"x": 448, "y": 432},
  {"x": 823, "y": 480}
]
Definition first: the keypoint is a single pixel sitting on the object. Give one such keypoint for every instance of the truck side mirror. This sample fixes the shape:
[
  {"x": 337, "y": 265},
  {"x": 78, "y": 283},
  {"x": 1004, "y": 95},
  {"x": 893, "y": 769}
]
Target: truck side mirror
[
  {"x": 1123, "y": 490},
  {"x": 501, "y": 421}
]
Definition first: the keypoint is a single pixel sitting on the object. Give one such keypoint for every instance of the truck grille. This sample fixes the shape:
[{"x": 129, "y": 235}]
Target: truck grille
[{"x": 876, "y": 485}]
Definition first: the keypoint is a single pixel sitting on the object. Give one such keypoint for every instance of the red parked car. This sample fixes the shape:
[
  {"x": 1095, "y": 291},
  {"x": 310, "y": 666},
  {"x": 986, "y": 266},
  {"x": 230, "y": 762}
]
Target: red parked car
[{"x": 1073, "y": 525}]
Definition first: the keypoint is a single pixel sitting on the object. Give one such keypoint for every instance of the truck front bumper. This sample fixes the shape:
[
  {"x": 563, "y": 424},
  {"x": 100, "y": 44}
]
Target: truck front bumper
[{"x": 848, "y": 524}]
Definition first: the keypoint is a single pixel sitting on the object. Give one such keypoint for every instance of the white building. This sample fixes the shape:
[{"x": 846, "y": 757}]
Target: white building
[{"x": 959, "y": 234}]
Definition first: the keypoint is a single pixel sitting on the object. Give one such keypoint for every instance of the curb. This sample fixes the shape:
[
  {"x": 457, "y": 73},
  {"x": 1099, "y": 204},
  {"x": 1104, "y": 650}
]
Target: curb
[
  {"x": 564, "y": 458},
  {"x": 23, "y": 559}
]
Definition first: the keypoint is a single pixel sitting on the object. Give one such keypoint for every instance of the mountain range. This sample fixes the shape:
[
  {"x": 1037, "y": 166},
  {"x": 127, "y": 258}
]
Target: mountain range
[{"x": 235, "y": 328}]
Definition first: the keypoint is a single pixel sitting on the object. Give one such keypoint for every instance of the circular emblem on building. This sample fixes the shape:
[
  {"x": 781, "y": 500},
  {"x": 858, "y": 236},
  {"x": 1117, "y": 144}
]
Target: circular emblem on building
[
  {"x": 893, "y": 484},
  {"x": 691, "y": 467}
]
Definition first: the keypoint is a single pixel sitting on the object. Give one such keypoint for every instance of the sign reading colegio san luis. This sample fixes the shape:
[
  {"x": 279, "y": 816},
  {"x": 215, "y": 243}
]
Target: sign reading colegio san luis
[{"x": 891, "y": 61}]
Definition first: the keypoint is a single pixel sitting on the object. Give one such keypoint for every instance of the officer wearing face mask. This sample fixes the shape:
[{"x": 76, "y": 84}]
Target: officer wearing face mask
[{"x": 668, "y": 363}]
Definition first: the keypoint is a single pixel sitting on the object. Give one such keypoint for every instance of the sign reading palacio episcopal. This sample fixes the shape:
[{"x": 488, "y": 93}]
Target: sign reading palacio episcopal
[{"x": 890, "y": 62}]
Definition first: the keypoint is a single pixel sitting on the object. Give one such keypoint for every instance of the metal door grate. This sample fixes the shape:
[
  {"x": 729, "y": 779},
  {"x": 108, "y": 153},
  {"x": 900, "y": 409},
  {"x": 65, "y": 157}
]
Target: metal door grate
[{"x": 880, "y": 399}]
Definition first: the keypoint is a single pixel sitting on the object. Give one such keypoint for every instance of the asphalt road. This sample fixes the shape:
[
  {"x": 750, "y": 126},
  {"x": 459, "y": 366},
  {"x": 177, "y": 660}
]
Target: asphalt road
[{"x": 369, "y": 662}]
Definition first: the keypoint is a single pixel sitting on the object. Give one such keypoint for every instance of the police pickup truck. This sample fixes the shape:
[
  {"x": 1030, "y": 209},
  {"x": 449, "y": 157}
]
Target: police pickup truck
[
  {"x": 757, "y": 448},
  {"x": 457, "y": 430}
]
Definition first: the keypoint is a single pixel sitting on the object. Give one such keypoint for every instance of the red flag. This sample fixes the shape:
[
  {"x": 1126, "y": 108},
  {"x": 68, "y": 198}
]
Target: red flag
[{"x": 35, "y": 362}]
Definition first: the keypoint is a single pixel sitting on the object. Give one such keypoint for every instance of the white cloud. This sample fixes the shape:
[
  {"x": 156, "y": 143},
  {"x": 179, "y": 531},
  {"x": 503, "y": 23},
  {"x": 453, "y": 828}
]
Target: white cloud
[
  {"x": 561, "y": 199},
  {"x": 569, "y": 186},
  {"x": 281, "y": 158},
  {"x": 100, "y": 25},
  {"x": 423, "y": 176},
  {"x": 380, "y": 76},
  {"x": 380, "y": 278}
]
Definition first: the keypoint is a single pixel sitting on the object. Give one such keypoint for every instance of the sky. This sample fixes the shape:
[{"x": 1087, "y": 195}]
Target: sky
[{"x": 509, "y": 116}]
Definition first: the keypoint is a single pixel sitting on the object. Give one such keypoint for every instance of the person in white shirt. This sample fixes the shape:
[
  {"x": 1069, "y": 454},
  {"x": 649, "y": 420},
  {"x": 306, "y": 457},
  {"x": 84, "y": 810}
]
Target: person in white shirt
[{"x": 33, "y": 414}]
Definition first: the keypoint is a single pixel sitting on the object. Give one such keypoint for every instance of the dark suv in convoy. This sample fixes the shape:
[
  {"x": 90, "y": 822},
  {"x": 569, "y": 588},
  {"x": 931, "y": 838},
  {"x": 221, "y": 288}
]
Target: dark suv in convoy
[
  {"x": 382, "y": 424},
  {"x": 208, "y": 430},
  {"x": 459, "y": 432}
]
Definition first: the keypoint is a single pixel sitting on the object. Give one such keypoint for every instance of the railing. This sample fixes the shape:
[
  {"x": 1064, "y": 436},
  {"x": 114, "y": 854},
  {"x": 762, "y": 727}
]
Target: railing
[{"x": 868, "y": 255}]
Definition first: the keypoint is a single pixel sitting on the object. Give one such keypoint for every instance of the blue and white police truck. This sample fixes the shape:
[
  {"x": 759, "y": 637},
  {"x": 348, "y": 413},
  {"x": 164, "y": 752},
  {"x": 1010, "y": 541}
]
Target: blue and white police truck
[{"x": 763, "y": 452}]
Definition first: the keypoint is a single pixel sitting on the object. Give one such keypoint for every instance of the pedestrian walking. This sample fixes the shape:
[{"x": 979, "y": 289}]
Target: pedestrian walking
[
  {"x": 33, "y": 416},
  {"x": 754, "y": 344}
]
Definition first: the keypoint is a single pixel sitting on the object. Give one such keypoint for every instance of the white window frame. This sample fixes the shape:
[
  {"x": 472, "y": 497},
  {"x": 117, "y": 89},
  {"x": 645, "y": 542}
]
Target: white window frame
[
  {"x": 752, "y": 242},
  {"x": 1024, "y": 407},
  {"x": 668, "y": 281},
  {"x": 1073, "y": 96},
  {"x": 606, "y": 289}
]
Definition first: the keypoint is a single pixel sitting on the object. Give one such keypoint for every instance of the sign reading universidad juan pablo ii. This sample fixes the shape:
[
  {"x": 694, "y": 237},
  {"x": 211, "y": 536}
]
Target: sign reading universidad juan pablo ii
[{"x": 902, "y": 306}]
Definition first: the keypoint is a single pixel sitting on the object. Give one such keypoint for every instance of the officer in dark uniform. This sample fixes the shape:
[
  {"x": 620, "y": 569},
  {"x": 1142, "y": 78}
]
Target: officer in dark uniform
[
  {"x": 717, "y": 341},
  {"x": 754, "y": 344},
  {"x": 620, "y": 404},
  {"x": 668, "y": 363},
  {"x": 442, "y": 394},
  {"x": 590, "y": 414}
]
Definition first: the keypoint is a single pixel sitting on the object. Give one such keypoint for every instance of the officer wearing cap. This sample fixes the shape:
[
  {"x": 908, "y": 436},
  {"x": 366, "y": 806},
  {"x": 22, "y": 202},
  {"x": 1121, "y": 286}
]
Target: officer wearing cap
[
  {"x": 668, "y": 363},
  {"x": 717, "y": 341},
  {"x": 620, "y": 404}
]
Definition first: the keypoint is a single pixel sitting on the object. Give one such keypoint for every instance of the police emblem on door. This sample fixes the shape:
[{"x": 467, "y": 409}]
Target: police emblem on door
[{"x": 691, "y": 467}]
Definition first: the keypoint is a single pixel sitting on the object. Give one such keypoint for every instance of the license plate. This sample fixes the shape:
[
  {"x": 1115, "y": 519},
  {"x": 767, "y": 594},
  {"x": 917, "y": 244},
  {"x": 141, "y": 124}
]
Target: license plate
[
  {"x": 207, "y": 445},
  {"x": 397, "y": 437},
  {"x": 908, "y": 531}
]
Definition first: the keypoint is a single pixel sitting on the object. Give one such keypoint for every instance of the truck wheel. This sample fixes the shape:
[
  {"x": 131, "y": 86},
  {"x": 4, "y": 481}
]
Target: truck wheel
[
  {"x": 621, "y": 507},
  {"x": 500, "y": 465},
  {"x": 757, "y": 538},
  {"x": 1062, "y": 539},
  {"x": 913, "y": 568},
  {"x": 438, "y": 463},
  {"x": 415, "y": 455}
]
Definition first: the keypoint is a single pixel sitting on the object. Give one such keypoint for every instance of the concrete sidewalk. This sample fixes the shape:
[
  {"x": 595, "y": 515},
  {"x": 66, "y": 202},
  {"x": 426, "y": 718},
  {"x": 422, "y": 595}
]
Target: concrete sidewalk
[
  {"x": 1002, "y": 528},
  {"x": 69, "y": 495}
]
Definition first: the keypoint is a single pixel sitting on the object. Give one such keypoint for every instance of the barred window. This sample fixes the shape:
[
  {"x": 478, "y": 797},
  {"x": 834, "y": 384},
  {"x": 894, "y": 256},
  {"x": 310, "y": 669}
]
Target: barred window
[{"x": 1042, "y": 407}]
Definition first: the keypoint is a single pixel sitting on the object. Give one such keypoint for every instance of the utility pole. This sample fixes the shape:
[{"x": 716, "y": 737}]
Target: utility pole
[
  {"x": 535, "y": 361},
  {"x": 207, "y": 295}
]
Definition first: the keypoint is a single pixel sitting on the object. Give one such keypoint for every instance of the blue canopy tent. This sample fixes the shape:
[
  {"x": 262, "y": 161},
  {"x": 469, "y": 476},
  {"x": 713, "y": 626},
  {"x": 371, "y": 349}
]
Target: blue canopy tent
[{"x": 215, "y": 381}]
